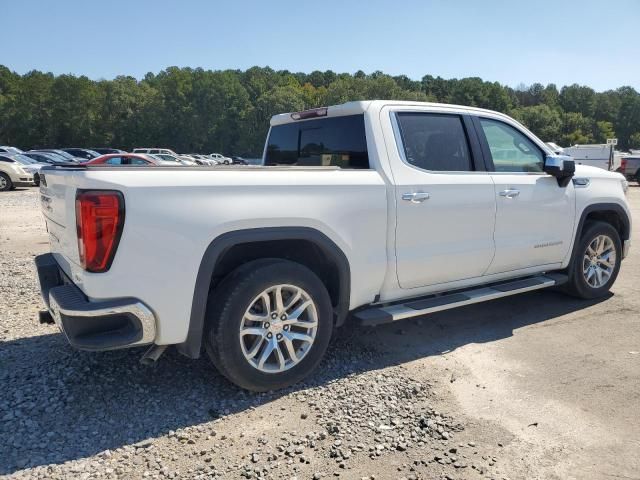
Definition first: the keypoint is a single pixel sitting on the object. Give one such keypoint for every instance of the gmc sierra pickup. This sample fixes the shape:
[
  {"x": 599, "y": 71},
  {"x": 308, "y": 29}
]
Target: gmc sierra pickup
[{"x": 370, "y": 212}]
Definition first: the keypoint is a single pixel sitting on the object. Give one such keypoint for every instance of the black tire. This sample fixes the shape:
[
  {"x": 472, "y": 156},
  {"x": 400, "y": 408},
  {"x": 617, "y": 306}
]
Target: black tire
[
  {"x": 577, "y": 285},
  {"x": 7, "y": 184},
  {"x": 36, "y": 180},
  {"x": 226, "y": 309}
]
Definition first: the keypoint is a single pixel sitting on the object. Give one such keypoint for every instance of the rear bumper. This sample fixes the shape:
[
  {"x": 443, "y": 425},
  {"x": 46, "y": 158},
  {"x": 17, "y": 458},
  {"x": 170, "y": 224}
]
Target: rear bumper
[{"x": 96, "y": 326}]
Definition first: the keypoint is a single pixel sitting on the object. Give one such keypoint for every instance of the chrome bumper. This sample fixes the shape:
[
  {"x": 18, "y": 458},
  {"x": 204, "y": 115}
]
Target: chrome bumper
[{"x": 100, "y": 325}]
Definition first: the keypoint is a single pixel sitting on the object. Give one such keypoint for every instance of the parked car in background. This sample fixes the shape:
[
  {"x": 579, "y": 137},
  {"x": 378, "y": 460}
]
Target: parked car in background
[
  {"x": 239, "y": 161},
  {"x": 7, "y": 149},
  {"x": 175, "y": 158},
  {"x": 13, "y": 174},
  {"x": 220, "y": 158},
  {"x": 630, "y": 167},
  {"x": 62, "y": 153},
  {"x": 128, "y": 159},
  {"x": 202, "y": 159},
  {"x": 84, "y": 153},
  {"x": 106, "y": 150},
  {"x": 45, "y": 157},
  {"x": 29, "y": 165},
  {"x": 154, "y": 151}
]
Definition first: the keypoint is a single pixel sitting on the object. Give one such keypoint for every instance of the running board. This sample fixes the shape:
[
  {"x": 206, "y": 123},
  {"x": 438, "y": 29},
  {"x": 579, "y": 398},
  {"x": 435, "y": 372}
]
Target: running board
[{"x": 432, "y": 304}]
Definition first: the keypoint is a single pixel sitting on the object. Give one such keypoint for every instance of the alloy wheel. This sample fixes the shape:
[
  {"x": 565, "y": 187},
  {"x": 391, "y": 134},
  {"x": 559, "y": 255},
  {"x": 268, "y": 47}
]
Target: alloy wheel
[
  {"x": 279, "y": 328},
  {"x": 599, "y": 261}
]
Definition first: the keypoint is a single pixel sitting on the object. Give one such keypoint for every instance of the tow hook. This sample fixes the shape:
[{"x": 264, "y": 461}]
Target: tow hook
[
  {"x": 45, "y": 317},
  {"x": 152, "y": 355}
]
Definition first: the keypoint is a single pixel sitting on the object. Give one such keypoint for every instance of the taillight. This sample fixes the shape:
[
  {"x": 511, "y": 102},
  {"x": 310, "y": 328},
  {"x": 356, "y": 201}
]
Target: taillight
[
  {"x": 623, "y": 164},
  {"x": 99, "y": 222}
]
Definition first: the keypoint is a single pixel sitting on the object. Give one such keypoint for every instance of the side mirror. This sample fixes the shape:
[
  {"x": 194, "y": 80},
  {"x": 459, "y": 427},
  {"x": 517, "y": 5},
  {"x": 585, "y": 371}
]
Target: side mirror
[{"x": 560, "y": 166}]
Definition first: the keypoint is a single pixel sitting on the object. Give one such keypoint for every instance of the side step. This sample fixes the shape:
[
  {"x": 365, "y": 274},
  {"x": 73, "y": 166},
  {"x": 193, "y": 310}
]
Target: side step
[{"x": 437, "y": 303}]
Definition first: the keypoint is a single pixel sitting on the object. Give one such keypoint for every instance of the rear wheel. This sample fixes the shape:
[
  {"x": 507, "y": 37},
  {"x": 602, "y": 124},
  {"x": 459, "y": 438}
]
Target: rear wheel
[
  {"x": 270, "y": 323},
  {"x": 596, "y": 261},
  {"x": 5, "y": 182}
]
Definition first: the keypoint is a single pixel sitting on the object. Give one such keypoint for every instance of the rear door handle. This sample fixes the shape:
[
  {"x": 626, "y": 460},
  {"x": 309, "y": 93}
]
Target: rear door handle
[
  {"x": 509, "y": 193},
  {"x": 415, "y": 197}
]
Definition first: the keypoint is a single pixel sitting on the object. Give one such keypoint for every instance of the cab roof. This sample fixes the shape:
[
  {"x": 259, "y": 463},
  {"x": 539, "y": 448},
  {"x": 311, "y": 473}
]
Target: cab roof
[{"x": 361, "y": 106}]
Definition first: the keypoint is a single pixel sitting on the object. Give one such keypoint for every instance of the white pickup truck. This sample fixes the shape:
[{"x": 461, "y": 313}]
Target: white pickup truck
[{"x": 369, "y": 211}]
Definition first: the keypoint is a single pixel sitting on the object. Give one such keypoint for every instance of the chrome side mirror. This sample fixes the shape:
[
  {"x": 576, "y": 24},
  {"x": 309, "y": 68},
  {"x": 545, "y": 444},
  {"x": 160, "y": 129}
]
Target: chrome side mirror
[{"x": 560, "y": 166}]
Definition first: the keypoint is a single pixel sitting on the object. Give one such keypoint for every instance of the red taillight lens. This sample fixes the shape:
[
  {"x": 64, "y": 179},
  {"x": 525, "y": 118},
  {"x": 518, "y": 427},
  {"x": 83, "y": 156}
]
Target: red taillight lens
[
  {"x": 623, "y": 164},
  {"x": 99, "y": 222}
]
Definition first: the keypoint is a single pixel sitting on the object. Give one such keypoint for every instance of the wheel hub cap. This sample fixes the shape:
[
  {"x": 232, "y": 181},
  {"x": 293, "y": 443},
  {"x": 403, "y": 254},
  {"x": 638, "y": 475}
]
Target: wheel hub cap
[
  {"x": 279, "y": 328},
  {"x": 599, "y": 261}
]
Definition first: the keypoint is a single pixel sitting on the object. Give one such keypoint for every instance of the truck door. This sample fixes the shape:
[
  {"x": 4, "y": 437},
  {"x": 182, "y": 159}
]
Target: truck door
[
  {"x": 445, "y": 202},
  {"x": 534, "y": 216}
]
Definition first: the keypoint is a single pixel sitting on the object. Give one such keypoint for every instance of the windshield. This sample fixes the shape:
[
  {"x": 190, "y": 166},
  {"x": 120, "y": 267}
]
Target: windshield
[
  {"x": 62, "y": 153},
  {"x": 48, "y": 156},
  {"x": 23, "y": 159},
  {"x": 56, "y": 157}
]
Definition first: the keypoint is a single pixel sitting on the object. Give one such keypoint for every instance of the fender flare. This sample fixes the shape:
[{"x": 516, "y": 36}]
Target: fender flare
[
  {"x": 600, "y": 207},
  {"x": 220, "y": 245},
  {"x": 604, "y": 207}
]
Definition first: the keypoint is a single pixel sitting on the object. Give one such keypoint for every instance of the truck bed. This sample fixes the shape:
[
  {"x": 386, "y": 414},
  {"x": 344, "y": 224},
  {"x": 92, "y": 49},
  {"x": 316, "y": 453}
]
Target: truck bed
[{"x": 174, "y": 213}]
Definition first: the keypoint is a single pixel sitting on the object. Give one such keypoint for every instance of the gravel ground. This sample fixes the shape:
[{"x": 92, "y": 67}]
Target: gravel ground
[{"x": 429, "y": 398}]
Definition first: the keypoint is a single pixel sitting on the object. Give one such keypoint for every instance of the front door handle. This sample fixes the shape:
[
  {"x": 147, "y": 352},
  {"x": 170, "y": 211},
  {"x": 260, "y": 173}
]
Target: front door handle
[
  {"x": 415, "y": 197},
  {"x": 509, "y": 193}
]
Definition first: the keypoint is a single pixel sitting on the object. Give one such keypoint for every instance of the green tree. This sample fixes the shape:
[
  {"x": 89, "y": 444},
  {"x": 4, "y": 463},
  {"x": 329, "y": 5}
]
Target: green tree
[
  {"x": 576, "y": 129},
  {"x": 228, "y": 111},
  {"x": 542, "y": 120}
]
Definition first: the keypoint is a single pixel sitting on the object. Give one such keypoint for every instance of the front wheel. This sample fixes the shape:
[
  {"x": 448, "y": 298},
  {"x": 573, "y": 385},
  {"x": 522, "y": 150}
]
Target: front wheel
[
  {"x": 269, "y": 324},
  {"x": 596, "y": 261},
  {"x": 5, "y": 182}
]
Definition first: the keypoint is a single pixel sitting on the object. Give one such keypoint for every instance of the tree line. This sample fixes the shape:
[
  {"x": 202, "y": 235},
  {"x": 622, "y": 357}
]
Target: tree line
[{"x": 196, "y": 110}]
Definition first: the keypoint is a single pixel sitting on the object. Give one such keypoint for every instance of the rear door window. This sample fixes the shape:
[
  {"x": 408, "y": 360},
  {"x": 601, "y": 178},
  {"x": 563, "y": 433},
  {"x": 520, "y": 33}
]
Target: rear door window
[
  {"x": 334, "y": 141},
  {"x": 434, "y": 141}
]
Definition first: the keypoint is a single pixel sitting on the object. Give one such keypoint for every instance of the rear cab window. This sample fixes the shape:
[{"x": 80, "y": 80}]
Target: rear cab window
[{"x": 331, "y": 141}]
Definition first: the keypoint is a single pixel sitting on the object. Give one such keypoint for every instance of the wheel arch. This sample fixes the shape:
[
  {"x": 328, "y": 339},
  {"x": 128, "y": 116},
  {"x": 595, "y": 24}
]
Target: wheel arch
[
  {"x": 612, "y": 213},
  {"x": 304, "y": 245}
]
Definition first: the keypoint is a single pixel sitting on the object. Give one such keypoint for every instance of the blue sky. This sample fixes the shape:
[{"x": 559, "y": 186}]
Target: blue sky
[{"x": 590, "y": 42}]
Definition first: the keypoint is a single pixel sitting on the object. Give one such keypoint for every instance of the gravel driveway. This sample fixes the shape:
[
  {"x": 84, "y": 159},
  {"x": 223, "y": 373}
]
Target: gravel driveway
[{"x": 536, "y": 386}]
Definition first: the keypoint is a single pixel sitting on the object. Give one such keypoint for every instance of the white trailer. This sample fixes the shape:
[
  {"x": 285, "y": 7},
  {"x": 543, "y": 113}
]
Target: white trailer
[{"x": 599, "y": 155}]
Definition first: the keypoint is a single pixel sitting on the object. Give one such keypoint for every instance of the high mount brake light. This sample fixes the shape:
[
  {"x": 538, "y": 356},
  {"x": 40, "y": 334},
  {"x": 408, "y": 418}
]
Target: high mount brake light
[
  {"x": 99, "y": 223},
  {"x": 316, "y": 112}
]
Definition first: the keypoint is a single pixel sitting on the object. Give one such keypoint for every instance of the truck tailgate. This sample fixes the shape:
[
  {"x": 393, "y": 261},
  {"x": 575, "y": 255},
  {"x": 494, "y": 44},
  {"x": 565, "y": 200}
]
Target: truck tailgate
[{"x": 57, "y": 199}]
